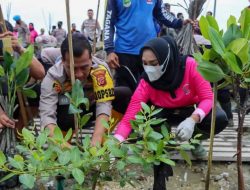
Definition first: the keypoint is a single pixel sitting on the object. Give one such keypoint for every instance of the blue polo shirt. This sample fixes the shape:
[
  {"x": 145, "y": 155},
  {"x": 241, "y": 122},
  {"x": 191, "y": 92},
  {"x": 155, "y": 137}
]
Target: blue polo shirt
[{"x": 129, "y": 26}]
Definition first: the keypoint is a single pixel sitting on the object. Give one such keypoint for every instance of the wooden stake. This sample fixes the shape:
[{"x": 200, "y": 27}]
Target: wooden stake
[
  {"x": 210, "y": 155},
  {"x": 2, "y": 21},
  {"x": 71, "y": 59},
  {"x": 96, "y": 21}
]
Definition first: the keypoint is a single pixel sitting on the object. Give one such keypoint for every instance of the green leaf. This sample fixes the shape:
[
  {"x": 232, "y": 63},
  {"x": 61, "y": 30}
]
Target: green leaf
[
  {"x": 86, "y": 142},
  {"x": 85, "y": 119},
  {"x": 240, "y": 47},
  {"x": 197, "y": 136},
  {"x": 101, "y": 151},
  {"x": 216, "y": 41},
  {"x": 247, "y": 33},
  {"x": 232, "y": 33},
  {"x": 203, "y": 23},
  {"x": 74, "y": 155},
  {"x": 155, "y": 112},
  {"x": 208, "y": 70},
  {"x": 213, "y": 23},
  {"x": 24, "y": 60},
  {"x": 16, "y": 164},
  {"x": 58, "y": 135},
  {"x": 41, "y": 139},
  {"x": 27, "y": 135},
  {"x": 139, "y": 117},
  {"x": 77, "y": 93},
  {"x": 145, "y": 107},
  {"x": 68, "y": 135},
  {"x": 29, "y": 93},
  {"x": 8, "y": 176},
  {"x": 155, "y": 135},
  {"x": 187, "y": 147},
  {"x": 8, "y": 61},
  {"x": 27, "y": 180},
  {"x": 164, "y": 131},
  {"x": 167, "y": 161},
  {"x": 2, "y": 73},
  {"x": 117, "y": 152},
  {"x": 232, "y": 62},
  {"x": 160, "y": 148},
  {"x": 186, "y": 157},
  {"x": 156, "y": 121},
  {"x": 2, "y": 158},
  {"x": 64, "y": 158},
  {"x": 135, "y": 160},
  {"x": 150, "y": 159},
  {"x": 152, "y": 146},
  {"x": 73, "y": 109},
  {"x": 210, "y": 54},
  {"x": 78, "y": 175},
  {"x": 22, "y": 78},
  {"x": 93, "y": 151},
  {"x": 147, "y": 131},
  {"x": 120, "y": 165},
  {"x": 231, "y": 20},
  {"x": 245, "y": 22}
]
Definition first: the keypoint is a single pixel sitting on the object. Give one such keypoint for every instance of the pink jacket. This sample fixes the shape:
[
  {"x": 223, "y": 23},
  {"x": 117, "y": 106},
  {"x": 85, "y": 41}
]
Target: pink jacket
[{"x": 194, "y": 89}]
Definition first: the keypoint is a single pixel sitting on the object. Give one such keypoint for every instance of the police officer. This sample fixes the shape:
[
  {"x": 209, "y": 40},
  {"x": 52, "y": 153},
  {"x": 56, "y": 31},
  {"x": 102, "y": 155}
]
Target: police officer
[{"x": 98, "y": 87}]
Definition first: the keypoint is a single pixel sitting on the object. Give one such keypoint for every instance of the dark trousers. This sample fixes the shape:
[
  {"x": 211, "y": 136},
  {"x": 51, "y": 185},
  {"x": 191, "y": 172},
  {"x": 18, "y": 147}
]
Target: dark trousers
[
  {"x": 130, "y": 70},
  {"x": 66, "y": 121},
  {"x": 225, "y": 102},
  {"x": 176, "y": 116}
]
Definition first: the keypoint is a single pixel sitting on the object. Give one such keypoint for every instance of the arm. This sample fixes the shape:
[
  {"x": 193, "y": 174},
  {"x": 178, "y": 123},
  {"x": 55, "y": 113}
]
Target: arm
[
  {"x": 48, "y": 104},
  {"x": 109, "y": 26},
  {"x": 141, "y": 94},
  {"x": 82, "y": 29},
  {"x": 165, "y": 17},
  {"x": 99, "y": 128},
  {"x": 204, "y": 92}
]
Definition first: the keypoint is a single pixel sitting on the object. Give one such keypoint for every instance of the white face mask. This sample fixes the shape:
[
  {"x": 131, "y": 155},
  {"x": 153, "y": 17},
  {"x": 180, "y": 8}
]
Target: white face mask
[{"x": 155, "y": 72}]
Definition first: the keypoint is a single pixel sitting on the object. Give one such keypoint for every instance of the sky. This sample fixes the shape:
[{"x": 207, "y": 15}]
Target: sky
[{"x": 38, "y": 11}]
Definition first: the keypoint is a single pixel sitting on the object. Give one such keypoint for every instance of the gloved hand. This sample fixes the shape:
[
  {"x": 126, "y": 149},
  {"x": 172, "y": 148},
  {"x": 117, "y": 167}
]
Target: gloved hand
[{"x": 185, "y": 129}]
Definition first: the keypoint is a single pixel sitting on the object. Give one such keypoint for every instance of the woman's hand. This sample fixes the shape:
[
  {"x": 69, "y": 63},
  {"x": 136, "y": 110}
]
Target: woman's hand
[{"x": 185, "y": 129}]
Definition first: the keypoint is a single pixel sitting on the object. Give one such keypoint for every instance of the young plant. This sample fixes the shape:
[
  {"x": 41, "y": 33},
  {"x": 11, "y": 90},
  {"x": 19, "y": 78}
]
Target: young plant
[
  {"x": 14, "y": 74},
  {"x": 229, "y": 59},
  {"x": 43, "y": 156},
  {"x": 77, "y": 101}
]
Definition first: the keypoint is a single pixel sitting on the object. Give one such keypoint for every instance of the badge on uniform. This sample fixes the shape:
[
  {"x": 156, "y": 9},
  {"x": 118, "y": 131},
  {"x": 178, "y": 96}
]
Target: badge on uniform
[
  {"x": 63, "y": 100},
  {"x": 126, "y": 3},
  {"x": 62, "y": 88}
]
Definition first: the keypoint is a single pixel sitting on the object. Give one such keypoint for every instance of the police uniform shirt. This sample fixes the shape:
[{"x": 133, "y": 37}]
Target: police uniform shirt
[{"x": 99, "y": 89}]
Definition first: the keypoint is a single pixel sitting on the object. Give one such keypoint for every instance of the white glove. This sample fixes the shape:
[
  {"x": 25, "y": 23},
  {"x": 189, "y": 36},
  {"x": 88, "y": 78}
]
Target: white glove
[{"x": 185, "y": 129}]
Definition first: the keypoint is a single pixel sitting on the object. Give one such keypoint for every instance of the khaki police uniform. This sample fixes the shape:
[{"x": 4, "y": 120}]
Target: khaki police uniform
[{"x": 98, "y": 88}]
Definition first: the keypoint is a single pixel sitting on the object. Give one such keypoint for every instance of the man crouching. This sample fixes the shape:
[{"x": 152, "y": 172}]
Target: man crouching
[{"x": 97, "y": 84}]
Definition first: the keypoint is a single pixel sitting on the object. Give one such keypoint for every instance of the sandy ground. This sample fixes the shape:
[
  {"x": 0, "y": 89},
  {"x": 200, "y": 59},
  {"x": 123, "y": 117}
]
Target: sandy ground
[{"x": 223, "y": 177}]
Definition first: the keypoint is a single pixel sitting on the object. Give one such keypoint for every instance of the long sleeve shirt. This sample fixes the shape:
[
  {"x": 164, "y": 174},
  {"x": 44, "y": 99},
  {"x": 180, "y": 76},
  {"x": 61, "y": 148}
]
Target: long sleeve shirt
[
  {"x": 194, "y": 89},
  {"x": 133, "y": 25},
  {"x": 88, "y": 28}
]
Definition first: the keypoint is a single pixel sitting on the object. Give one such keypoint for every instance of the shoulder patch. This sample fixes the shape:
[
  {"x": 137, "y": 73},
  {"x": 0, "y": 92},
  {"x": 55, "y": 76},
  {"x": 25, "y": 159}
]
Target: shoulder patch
[{"x": 102, "y": 84}]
